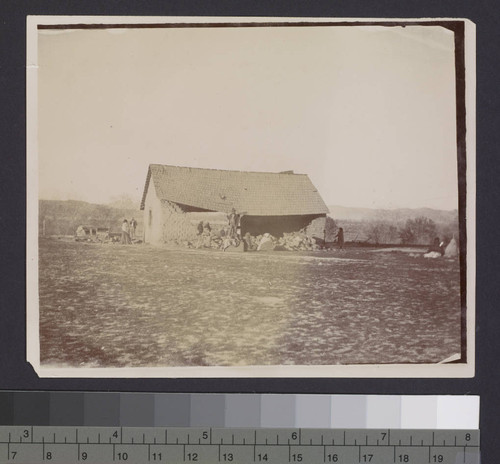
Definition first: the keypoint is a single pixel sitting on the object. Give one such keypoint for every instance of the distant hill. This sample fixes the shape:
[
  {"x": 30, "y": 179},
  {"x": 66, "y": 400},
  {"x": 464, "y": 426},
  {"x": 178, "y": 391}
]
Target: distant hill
[
  {"x": 124, "y": 202},
  {"x": 397, "y": 216},
  {"x": 63, "y": 217}
]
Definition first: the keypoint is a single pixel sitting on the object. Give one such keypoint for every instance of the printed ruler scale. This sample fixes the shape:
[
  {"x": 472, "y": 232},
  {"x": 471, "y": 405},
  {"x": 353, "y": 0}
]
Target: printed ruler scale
[{"x": 138, "y": 445}]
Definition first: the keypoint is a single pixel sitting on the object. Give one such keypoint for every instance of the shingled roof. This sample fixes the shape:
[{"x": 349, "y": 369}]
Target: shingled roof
[{"x": 251, "y": 193}]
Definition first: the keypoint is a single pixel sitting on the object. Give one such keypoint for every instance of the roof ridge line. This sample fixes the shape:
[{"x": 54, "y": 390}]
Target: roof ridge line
[{"x": 228, "y": 170}]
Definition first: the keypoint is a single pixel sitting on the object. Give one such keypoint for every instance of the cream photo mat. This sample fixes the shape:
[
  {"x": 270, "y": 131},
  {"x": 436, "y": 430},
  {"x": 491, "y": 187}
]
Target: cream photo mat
[{"x": 393, "y": 370}]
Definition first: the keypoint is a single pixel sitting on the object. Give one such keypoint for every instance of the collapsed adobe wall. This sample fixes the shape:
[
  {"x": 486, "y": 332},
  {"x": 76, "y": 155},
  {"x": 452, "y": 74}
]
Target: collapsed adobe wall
[
  {"x": 176, "y": 225},
  {"x": 276, "y": 225},
  {"x": 323, "y": 228},
  {"x": 180, "y": 226}
]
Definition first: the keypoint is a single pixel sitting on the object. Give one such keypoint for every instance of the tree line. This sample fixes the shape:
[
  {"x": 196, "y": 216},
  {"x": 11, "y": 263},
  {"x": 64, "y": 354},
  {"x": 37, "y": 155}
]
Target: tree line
[{"x": 417, "y": 231}]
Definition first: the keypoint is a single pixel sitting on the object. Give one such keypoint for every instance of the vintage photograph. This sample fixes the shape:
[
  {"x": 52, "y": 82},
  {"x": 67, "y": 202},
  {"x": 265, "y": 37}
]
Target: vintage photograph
[{"x": 241, "y": 197}]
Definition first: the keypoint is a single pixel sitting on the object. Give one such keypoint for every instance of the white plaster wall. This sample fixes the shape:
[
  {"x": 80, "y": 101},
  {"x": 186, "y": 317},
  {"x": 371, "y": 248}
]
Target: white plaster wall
[{"x": 153, "y": 230}]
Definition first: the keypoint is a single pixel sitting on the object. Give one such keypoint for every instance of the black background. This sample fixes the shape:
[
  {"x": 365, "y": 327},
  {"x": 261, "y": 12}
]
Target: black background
[{"x": 17, "y": 374}]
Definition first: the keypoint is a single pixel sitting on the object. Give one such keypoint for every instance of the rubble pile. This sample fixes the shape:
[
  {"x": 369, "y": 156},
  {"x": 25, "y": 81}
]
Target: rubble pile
[
  {"x": 451, "y": 250},
  {"x": 298, "y": 241},
  {"x": 208, "y": 239},
  {"x": 217, "y": 239},
  {"x": 293, "y": 241}
]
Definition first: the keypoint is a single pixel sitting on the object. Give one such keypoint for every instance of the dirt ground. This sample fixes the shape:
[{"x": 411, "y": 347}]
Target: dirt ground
[{"x": 118, "y": 306}]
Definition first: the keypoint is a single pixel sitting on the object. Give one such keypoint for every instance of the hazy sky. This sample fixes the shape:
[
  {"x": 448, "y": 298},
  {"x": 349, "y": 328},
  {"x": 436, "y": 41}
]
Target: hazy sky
[{"x": 367, "y": 112}]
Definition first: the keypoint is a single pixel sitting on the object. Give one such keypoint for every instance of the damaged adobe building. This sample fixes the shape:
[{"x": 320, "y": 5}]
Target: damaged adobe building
[{"x": 176, "y": 198}]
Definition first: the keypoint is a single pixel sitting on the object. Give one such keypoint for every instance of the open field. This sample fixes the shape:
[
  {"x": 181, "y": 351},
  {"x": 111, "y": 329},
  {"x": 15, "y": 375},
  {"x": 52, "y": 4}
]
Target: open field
[{"x": 117, "y": 306}]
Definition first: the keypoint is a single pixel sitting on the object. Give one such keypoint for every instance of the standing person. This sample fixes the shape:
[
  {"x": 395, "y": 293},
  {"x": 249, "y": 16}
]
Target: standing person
[
  {"x": 125, "y": 233},
  {"x": 238, "y": 226},
  {"x": 199, "y": 228},
  {"x": 232, "y": 218},
  {"x": 207, "y": 236},
  {"x": 340, "y": 238},
  {"x": 133, "y": 226}
]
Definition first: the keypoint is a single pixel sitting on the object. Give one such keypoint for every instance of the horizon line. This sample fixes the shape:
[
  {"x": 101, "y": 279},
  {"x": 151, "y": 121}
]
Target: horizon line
[{"x": 110, "y": 203}]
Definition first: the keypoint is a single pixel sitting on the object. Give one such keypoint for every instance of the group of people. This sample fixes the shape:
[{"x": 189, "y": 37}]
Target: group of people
[
  {"x": 204, "y": 228},
  {"x": 128, "y": 231},
  {"x": 234, "y": 231},
  {"x": 230, "y": 236}
]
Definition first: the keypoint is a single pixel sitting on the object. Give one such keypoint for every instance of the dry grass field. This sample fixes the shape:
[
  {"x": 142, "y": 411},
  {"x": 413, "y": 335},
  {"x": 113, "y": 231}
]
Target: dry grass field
[{"x": 117, "y": 306}]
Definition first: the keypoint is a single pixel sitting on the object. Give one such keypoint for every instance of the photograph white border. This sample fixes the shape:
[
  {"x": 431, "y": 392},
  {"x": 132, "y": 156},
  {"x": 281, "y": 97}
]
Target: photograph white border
[{"x": 458, "y": 370}]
